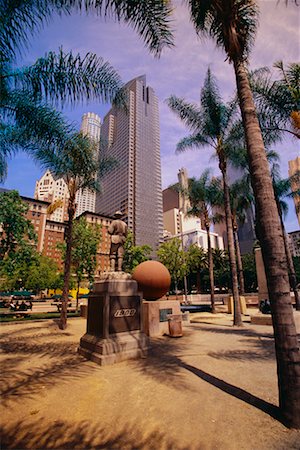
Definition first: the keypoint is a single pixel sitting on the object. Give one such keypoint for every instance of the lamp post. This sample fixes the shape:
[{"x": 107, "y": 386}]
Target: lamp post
[{"x": 184, "y": 277}]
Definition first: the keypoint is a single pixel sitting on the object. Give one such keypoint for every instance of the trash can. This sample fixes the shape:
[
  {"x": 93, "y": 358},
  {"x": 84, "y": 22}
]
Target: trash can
[
  {"x": 175, "y": 325},
  {"x": 83, "y": 311}
]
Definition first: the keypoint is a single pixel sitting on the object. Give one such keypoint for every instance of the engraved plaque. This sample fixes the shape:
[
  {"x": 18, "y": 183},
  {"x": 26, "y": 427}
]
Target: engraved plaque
[
  {"x": 124, "y": 313},
  {"x": 163, "y": 313}
]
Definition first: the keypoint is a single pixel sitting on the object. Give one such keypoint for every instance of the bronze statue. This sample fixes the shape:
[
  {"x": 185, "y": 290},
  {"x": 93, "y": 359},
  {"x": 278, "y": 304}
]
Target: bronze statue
[{"x": 118, "y": 232}]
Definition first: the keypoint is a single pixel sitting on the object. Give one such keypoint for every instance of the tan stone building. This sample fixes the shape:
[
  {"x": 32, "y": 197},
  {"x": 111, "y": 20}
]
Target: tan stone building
[{"x": 53, "y": 189}]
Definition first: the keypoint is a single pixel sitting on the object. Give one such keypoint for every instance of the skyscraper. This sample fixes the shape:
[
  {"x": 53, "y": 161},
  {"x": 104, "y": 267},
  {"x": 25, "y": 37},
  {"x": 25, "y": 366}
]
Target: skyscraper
[
  {"x": 54, "y": 190},
  {"x": 294, "y": 167},
  {"x": 90, "y": 126},
  {"x": 134, "y": 187}
]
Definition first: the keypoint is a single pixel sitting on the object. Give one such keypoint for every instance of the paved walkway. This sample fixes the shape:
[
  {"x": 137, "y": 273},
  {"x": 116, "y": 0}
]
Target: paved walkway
[{"x": 214, "y": 388}]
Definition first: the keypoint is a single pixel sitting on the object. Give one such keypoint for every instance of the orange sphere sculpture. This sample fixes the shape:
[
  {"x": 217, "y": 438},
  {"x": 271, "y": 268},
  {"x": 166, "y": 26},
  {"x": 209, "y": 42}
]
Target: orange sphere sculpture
[{"x": 153, "y": 279}]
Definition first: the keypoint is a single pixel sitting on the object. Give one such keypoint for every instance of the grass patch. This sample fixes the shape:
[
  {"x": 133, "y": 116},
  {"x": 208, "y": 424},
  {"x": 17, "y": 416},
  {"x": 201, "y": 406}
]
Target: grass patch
[{"x": 41, "y": 316}]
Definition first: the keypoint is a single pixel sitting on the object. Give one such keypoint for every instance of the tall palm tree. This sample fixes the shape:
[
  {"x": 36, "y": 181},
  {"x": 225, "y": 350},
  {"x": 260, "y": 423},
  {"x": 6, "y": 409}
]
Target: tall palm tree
[
  {"x": 283, "y": 189},
  {"x": 27, "y": 120},
  {"x": 241, "y": 199},
  {"x": 212, "y": 126},
  {"x": 201, "y": 195},
  {"x": 76, "y": 162},
  {"x": 232, "y": 24}
]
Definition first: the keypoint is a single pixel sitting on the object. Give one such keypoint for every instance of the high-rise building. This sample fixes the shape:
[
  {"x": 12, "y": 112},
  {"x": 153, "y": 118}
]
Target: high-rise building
[
  {"x": 294, "y": 167},
  {"x": 134, "y": 186},
  {"x": 52, "y": 189},
  {"x": 90, "y": 126}
]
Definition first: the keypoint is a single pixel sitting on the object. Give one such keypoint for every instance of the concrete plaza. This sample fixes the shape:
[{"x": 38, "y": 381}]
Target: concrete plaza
[{"x": 214, "y": 388}]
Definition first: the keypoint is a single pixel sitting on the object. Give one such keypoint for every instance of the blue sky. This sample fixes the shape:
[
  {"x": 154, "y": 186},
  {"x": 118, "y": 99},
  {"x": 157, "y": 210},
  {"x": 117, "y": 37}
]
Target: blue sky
[{"x": 179, "y": 71}]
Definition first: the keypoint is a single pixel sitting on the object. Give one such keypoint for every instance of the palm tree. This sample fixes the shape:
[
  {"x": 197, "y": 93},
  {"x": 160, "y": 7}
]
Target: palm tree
[
  {"x": 282, "y": 189},
  {"x": 201, "y": 194},
  {"x": 77, "y": 164},
  {"x": 212, "y": 125},
  {"x": 232, "y": 24},
  {"x": 278, "y": 101},
  {"x": 241, "y": 199},
  {"x": 28, "y": 122}
]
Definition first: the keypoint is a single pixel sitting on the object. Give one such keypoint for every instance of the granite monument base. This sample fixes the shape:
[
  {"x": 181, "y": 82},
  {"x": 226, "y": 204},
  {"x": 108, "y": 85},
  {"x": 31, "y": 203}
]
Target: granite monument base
[
  {"x": 155, "y": 316},
  {"x": 114, "y": 321}
]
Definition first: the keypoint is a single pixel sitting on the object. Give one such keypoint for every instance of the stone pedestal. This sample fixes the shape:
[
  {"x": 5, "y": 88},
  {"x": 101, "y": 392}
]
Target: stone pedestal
[
  {"x": 114, "y": 321},
  {"x": 263, "y": 293},
  {"x": 155, "y": 316}
]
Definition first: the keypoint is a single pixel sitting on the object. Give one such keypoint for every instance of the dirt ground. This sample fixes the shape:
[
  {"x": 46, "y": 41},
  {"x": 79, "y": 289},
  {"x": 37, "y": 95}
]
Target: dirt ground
[{"x": 214, "y": 388}]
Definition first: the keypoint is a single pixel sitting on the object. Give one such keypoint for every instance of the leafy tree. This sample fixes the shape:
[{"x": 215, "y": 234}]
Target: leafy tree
[
  {"x": 196, "y": 259},
  {"x": 134, "y": 254},
  {"x": 15, "y": 227},
  {"x": 249, "y": 269},
  {"x": 212, "y": 125},
  {"x": 232, "y": 25},
  {"x": 170, "y": 254},
  {"x": 15, "y": 267},
  {"x": 85, "y": 242},
  {"x": 42, "y": 274},
  {"x": 222, "y": 269},
  {"x": 28, "y": 121}
]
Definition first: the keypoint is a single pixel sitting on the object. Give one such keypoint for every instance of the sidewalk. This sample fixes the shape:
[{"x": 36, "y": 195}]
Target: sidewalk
[{"x": 214, "y": 388}]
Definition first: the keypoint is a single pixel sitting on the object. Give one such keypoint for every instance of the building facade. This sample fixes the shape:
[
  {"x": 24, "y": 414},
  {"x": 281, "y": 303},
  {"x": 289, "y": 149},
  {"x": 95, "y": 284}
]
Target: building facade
[
  {"x": 294, "y": 242},
  {"x": 134, "y": 186},
  {"x": 52, "y": 189},
  {"x": 294, "y": 167},
  {"x": 178, "y": 224},
  {"x": 91, "y": 127}
]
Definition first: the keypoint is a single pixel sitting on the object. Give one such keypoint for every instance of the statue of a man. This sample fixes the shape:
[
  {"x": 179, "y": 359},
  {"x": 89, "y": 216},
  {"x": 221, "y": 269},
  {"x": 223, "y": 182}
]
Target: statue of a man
[{"x": 118, "y": 232}]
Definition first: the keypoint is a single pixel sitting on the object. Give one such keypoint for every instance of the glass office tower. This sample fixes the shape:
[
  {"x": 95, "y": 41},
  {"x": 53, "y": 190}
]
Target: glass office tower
[{"x": 134, "y": 186}]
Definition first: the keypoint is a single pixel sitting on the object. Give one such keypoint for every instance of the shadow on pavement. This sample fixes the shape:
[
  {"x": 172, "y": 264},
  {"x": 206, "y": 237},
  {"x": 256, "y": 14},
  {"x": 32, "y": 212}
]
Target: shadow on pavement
[
  {"x": 82, "y": 435},
  {"x": 236, "y": 392}
]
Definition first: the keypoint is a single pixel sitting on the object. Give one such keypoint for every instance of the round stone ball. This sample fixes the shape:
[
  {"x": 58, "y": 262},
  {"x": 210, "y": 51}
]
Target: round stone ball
[{"x": 153, "y": 279}]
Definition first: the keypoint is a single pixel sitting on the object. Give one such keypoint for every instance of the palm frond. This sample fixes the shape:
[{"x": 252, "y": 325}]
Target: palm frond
[
  {"x": 187, "y": 112},
  {"x": 231, "y": 23},
  {"x": 63, "y": 77},
  {"x": 194, "y": 141},
  {"x": 21, "y": 19}
]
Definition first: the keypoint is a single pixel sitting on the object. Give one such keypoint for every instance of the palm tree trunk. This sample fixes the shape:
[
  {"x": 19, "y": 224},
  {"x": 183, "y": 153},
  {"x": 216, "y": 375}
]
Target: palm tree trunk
[
  {"x": 291, "y": 269},
  {"x": 286, "y": 343},
  {"x": 239, "y": 261},
  {"x": 67, "y": 265},
  {"x": 211, "y": 272},
  {"x": 237, "y": 317}
]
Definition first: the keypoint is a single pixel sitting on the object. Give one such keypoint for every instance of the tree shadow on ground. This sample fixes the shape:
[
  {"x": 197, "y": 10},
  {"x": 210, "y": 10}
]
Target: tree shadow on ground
[
  {"x": 236, "y": 392},
  {"x": 40, "y": 435},
  {"x": 262, "y": 349},
  {"x": 168, "y": 369},
  {"x": 226, "y": 329},
  {"x": 61, "y": 363},
  {"x": 162, "y": 362}
]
